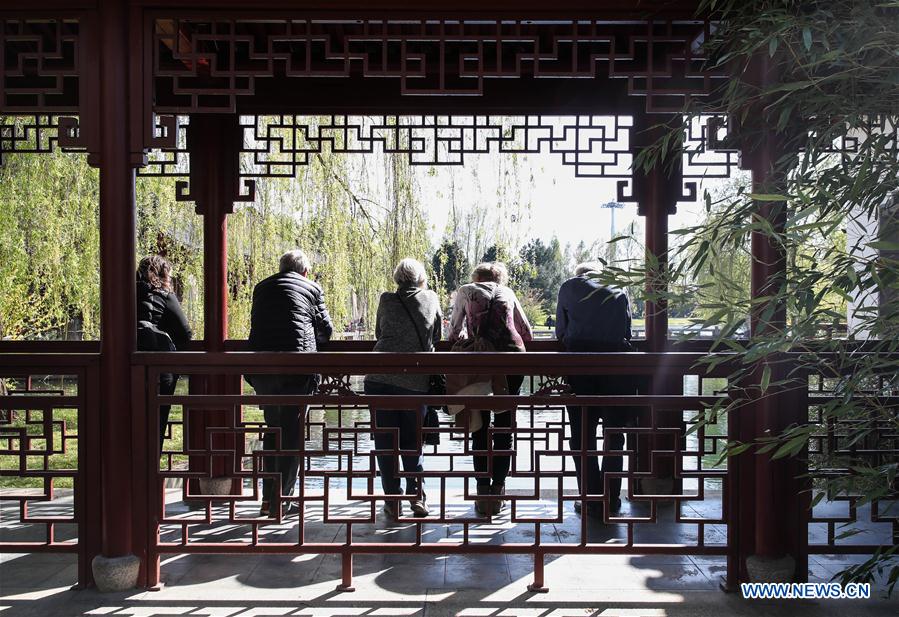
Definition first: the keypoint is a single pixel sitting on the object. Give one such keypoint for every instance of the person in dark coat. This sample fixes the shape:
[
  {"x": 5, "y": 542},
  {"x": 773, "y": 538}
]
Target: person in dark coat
[
  {"x": 161, "y": 324},
  {"x": 592, "y": 317},
  {"x": 288, "y": 314}
]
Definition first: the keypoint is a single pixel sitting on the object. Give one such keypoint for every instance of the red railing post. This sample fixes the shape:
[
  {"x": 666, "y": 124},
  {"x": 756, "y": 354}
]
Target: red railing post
[
  {"x": 539, "y": 584},
  {"x": 88, "y": 489},
  {"x": 145, "y": 444},
  {"x": 346, "y": 579}
]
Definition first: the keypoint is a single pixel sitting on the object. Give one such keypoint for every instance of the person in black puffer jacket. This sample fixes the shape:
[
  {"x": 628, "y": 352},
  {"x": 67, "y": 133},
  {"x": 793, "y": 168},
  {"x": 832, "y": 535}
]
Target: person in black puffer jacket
[
  {"x": 288, "y": 314},
  {"x": 161, "y": 324}
]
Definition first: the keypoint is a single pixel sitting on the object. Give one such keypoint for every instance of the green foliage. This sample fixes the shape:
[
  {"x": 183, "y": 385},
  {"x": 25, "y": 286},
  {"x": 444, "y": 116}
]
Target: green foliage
[
  {"x": 49, "y": 251},
  {"x": 450, "y": 267},
  {"x": 174, "y": 230},
  {"x": 543, "y": 269},
  {"x": 354, "y": 238},
  {"x": 720, "y": 273},
  {"x": 534, "y": 306}
]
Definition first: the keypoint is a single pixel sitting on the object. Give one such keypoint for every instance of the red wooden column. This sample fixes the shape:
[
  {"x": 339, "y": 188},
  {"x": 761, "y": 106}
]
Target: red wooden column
[
  {"x": 657, "y": 191},
  {"x": 214, "y": 142},
  {"x": 123, "y": 443},
  {"x": 773, "y": 507}
]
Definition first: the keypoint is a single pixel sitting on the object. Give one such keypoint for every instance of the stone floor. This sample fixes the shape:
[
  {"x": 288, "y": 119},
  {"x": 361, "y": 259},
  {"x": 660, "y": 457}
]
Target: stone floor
[
  {"x": 614, "y": 585},
  {"x": 39, "y": 585}
]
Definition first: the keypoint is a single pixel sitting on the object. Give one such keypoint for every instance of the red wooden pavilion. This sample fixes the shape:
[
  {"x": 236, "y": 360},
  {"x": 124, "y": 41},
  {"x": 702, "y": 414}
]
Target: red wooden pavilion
[{"x": 136, "y": 83}]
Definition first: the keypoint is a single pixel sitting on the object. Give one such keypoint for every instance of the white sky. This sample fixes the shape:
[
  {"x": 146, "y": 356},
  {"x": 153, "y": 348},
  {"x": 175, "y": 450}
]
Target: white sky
[{"x": 561, "y": 204}]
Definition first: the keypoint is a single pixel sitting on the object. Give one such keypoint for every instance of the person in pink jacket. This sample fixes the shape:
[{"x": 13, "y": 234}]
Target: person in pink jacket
[{"x": 487, "y": 308}]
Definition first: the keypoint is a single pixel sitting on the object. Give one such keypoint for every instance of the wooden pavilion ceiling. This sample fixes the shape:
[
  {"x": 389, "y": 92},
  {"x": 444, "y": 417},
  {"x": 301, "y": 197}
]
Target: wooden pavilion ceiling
[
  {"x": 274, "y": 64},
  {"x": 349, "y": 57}
]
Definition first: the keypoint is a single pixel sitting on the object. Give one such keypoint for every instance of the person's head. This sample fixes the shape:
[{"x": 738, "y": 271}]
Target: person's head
[
  {"x": 588, "y": 267},
  {"x": 155, "y": 271},
  {"x": 490, "y": 272},
  {"x": 410, "y": 273},
  {"x": 295, "y": 261}
]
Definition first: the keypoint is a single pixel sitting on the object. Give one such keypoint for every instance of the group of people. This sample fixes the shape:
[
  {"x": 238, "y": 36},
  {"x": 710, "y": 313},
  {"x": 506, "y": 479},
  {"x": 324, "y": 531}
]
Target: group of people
[{"x": 289, "y": 314}]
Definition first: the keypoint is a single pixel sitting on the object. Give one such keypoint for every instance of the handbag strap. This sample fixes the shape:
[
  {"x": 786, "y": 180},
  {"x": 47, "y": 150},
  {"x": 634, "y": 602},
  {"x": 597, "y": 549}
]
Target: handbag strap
[{"x": 421, "y": 341}]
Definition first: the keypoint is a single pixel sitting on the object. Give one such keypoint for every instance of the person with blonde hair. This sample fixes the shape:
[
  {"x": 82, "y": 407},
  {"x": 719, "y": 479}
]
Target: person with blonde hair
[
  {"x": 488, "y": 310},
  {"x": 408, "y": 320}
]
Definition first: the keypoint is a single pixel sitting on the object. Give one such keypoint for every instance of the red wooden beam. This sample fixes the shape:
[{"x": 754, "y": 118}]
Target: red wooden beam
[{"x": 550, "y": 363}]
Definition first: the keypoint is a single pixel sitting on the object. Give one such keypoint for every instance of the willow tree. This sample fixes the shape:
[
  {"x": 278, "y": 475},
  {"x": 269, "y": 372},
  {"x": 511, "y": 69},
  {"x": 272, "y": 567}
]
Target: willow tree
[
  {"x": 355, "y": 215},
  {"x": 174, "y": 230},
  {"x": 49, "y": 246}
]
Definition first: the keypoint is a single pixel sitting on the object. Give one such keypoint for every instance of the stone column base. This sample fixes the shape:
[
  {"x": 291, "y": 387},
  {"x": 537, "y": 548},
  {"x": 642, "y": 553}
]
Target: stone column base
[
  {"x": 657, "y": 486},
  {"x": 770, "y": 569},
  {"x": 216, "y": 486},
  {"x": 115, "y": 573}
]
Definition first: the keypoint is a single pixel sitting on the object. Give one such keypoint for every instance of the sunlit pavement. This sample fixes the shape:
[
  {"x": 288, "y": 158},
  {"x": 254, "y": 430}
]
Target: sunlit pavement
[
  {"x": 488, "y": 585},
  {"x": 420, "y": 584}
]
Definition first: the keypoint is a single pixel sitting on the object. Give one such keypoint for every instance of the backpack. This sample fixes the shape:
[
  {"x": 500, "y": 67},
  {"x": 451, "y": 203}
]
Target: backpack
[{"x": 151, "y": 338}]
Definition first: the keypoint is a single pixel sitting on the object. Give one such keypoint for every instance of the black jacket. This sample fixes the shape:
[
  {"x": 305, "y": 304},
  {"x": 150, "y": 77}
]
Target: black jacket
[
  {"x": 288, "y": 314},
  {"x": 592, "y": 317},
  {"x": 161, "y": 309}
]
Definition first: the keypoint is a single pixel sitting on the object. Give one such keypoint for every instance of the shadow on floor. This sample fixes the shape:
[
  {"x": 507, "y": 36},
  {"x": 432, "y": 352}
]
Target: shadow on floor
[{"x": 408, "y": 585}]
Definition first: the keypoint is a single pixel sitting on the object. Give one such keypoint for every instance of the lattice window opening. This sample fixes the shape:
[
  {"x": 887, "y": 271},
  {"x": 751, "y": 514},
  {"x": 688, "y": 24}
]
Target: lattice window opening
[
  {"x": 39, "y": 134},
  {"x": 39, "y": 441},
  {"x": 709, "y": 156},
  {"x": 208, "y": 65},
  {"x": 850, "y": 521},
  {"x": 882, "y": 129},
  {"x": 42, "y": 65},
  {"x": 168, "y": 156},
  {"x": 841, "y": 516},
  {"x": 281, "y": 146},
  {"x": 835, "y": 444},
  {"x": 710, "y": 151},
  {"x": 595, "y": 146},
  {"x": 706, "y": 429}
]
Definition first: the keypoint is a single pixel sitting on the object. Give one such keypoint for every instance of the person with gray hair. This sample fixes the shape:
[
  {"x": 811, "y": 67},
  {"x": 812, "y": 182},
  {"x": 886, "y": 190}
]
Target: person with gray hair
[
  {"x": 294, "y": 261},
  {"x": 592, "y": 317},
  {"x": 288, "y": 314},
  {"x": 408, "y": 321},
  {"x": 488, "y": 309}
]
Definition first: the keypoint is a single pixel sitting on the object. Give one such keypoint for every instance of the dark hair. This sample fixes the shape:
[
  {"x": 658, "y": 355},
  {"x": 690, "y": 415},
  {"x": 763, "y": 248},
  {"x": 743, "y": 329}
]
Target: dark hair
[{"x": 156, "y": 272}]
